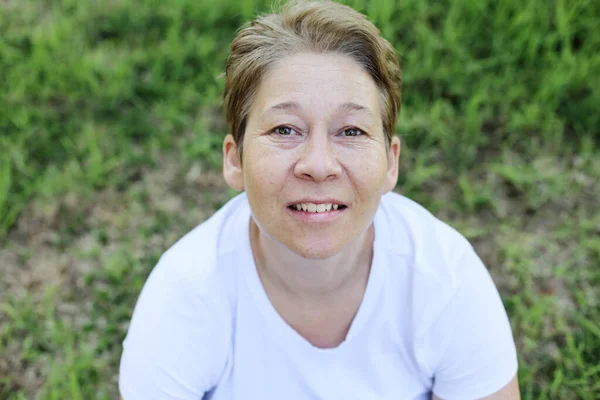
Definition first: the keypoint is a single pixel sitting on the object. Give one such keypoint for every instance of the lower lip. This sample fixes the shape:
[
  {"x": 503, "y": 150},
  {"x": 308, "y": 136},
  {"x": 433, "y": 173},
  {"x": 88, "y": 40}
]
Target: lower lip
[{"x": 306, "y": 216}]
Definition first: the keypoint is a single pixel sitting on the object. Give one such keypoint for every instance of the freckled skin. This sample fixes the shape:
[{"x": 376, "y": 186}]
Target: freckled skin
[{"x": 318, "y": 158}]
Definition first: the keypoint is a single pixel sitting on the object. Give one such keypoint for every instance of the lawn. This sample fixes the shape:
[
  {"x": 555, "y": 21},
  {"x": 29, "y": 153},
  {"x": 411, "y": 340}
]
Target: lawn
[{"x": 111, "y": 125}]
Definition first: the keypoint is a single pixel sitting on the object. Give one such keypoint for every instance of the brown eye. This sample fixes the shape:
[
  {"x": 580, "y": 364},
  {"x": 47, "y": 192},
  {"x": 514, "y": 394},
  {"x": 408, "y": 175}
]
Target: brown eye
[
  {"x": 352, "y": 132},
  {"x": 284, "y": 130}
]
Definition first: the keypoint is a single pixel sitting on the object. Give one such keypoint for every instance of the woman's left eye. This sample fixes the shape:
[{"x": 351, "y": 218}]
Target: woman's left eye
[{"x": 352, "y": 132}]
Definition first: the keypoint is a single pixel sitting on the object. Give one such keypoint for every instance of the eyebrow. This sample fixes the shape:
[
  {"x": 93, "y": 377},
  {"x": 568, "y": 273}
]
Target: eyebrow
[
  {"x": 285, "y": 106},
  {"x": 294, "y": 106}
]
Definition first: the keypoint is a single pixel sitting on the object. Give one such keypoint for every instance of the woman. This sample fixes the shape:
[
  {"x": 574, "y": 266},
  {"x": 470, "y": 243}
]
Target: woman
[{"x": 317, "y": 282}]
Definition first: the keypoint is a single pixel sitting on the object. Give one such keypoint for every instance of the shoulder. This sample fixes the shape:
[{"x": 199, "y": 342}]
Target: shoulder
[
  {"x": 179, "y": 336},
  {"x": 435, "y": 249},
  {"x": 427, "y": 260},
  {"x": 192, "y": 265},
  {"x": 454, "y": 307}
]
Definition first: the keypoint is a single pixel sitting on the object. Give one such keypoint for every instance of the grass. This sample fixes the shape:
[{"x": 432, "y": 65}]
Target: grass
[{"x": 110, "y": 135}]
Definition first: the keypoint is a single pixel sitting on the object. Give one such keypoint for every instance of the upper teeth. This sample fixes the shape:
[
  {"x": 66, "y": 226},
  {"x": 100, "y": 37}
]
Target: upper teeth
[{"x": 318, "y": 208}]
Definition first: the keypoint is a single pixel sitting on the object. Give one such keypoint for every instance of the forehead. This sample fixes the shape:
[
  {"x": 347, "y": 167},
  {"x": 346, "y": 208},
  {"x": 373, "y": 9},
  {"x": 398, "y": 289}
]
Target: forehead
[{"x": 319, "y": 83}]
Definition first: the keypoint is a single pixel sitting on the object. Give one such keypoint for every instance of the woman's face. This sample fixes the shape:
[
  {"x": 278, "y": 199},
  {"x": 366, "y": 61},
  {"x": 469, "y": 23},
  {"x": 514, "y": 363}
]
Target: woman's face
[{"x": 314, "y": 140}]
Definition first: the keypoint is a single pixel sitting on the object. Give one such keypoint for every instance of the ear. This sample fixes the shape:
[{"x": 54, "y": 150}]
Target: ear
[
  {"x": 232, "y": 164},
  {"x": 393, "y": 161}
]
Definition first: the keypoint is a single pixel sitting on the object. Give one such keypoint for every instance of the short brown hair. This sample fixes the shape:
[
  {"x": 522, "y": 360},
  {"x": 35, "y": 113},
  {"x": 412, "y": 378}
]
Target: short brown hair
[{"x": 307, "y": 26}]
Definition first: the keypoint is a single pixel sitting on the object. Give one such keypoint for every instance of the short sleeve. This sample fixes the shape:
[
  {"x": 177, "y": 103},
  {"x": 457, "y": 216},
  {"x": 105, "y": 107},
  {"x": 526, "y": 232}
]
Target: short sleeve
[
  {"x": 474, "y": 352},
  {"x": 176, "y": 346}
]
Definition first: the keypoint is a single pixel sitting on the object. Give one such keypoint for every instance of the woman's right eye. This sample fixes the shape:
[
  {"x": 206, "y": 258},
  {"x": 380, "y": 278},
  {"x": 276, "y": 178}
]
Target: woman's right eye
[{"x": 284, "y": 130}]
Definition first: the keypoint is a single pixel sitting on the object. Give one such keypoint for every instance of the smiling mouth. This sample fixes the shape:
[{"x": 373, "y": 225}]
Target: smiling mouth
[{"x": 316, "y": 208}]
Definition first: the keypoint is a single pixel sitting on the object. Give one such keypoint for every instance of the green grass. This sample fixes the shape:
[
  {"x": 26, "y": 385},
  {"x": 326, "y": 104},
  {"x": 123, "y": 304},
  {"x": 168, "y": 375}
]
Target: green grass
[{"x": 111, "y": 125}]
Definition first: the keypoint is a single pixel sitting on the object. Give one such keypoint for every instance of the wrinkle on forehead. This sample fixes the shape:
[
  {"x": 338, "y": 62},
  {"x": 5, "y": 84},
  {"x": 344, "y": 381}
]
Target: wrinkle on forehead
[{"x": 319, "y": 82}]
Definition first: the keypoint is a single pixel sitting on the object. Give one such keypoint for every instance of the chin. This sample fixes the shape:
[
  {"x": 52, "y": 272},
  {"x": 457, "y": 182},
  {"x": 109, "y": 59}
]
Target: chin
[{"x": 314, "y": 252}]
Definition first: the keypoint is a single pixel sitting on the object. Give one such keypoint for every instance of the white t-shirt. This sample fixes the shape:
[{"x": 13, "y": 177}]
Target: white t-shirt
[{"x": 431, "y": 320}]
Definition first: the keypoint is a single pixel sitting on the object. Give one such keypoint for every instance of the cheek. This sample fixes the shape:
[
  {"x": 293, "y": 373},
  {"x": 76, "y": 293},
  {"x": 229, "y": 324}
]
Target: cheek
[
  {"x": 266, "y": 173},
  {"x": 366, "y": 168}
]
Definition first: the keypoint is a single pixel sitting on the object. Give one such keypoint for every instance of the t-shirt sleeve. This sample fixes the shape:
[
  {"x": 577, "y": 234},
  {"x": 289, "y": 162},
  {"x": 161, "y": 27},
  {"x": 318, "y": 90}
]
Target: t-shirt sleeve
[
  {"x": 176, "y": 346},
  {"x": 472, "y": 339}
]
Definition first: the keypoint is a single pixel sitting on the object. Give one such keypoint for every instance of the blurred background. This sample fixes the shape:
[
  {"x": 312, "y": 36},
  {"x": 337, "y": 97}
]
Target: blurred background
[{"x": 111, "y": 126}]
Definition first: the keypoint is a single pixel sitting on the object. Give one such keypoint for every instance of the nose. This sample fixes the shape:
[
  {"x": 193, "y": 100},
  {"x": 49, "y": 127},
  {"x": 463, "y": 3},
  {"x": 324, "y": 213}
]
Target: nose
[{"x": 318, "y": 161}]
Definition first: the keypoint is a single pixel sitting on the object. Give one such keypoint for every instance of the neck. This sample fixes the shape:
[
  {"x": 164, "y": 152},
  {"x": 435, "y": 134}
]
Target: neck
[{"x": 310, "y": 280}]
